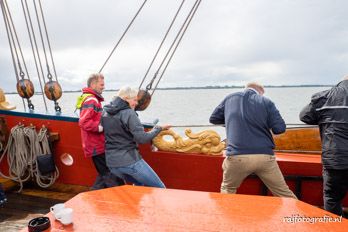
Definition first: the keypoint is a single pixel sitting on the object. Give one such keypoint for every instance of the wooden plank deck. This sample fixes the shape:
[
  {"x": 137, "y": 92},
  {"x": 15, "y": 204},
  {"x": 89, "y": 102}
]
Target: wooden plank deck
[
  {"x": 21, "y": 208},
  {"x": 30, "y": 203}
]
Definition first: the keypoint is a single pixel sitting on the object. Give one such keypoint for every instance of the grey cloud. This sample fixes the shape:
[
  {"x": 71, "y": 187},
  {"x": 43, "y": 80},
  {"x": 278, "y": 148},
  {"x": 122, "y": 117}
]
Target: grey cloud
[{"x": 228, "y": 42}]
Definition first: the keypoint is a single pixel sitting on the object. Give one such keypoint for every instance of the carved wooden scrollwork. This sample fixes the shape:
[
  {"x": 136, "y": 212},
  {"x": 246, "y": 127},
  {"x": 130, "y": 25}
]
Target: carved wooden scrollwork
[{"x": 205, "y": 142}]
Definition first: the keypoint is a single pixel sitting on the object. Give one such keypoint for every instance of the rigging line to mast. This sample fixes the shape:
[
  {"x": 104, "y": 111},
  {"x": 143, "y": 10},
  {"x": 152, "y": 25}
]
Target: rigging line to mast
[
  {"x": 173, "y": 43},
  {"x": 32, "y": 49},
  {"x": 124, "y": 33},
  {"x": 52, "y": 89},
  {"x": 49, "y": 75},
  {"x": 7, "y": 26},
  {"x": 48, "y": 41},
  {"x": 35, "y": 42},
  {"x": 160, "y": 46},
  {"x": 9, "y": 39},
  {"x": 177, "y": 44},
  {"x": 21, "y": 73}
]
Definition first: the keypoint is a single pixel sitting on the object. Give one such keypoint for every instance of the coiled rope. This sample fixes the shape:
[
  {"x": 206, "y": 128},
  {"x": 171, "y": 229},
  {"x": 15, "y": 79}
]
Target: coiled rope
[{"x": 23, "y": 148}]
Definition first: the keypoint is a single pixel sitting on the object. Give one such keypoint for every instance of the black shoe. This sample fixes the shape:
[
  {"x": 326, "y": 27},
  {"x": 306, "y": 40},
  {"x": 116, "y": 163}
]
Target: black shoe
[
  {"x": 3, "y": 199},
  {"x": 111, "y": 180},
  {"x": 2, "y": 202},
  {"x": 98, "y": 183}
]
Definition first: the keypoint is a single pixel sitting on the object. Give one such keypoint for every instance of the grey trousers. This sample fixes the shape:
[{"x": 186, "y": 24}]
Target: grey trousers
[{"x": 237, "y": 167}]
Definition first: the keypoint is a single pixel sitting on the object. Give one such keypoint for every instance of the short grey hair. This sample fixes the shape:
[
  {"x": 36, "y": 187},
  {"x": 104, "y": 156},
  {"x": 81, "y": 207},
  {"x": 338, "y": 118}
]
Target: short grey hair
[
  {"x": 94, "y": 78},
  {"x": 257, "y": 86},
  {"x": 127, "y": 92}
]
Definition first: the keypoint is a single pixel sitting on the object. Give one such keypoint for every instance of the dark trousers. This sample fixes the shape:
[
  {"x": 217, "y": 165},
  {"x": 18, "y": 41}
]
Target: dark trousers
[
  {"x": 335, "y": 189},
  {"x": 3, "y": 198},
  {"x": 105, "y": 178}
]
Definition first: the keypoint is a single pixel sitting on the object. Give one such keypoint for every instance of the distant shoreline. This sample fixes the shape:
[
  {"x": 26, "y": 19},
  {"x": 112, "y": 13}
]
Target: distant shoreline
[{"x": 206, "y": 87}]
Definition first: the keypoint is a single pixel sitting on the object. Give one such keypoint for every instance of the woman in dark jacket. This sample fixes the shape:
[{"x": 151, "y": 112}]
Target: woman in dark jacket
[{"x": 123, "y": 131}]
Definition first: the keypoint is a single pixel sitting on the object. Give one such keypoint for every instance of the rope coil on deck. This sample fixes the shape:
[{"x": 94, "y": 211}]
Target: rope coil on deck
[{"x": 23, "y": 148}]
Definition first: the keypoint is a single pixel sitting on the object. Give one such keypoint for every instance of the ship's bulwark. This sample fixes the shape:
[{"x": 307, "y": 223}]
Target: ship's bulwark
[{"x": 302, "y": 170}]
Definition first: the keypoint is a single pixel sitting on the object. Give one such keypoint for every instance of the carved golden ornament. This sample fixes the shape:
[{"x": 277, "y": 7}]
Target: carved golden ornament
[
  {"x": 25, "y": 88},
  {"x": 2, "y": 96},
  {"x": 4, "y": 105},
  {"x": 53, "y": 91},
  {"x": 206, "y": 142}
]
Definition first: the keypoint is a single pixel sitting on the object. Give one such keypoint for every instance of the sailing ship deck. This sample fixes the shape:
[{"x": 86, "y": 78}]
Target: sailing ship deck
[
  {"x": 302, "y": 170},
  {"x": 124, "y": 204},
  {"x": 134, "y": 208}
]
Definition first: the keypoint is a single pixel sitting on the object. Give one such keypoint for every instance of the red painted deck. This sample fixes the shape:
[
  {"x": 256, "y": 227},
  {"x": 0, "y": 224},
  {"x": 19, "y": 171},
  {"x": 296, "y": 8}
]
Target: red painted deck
[{"x": 130, "y": 208}]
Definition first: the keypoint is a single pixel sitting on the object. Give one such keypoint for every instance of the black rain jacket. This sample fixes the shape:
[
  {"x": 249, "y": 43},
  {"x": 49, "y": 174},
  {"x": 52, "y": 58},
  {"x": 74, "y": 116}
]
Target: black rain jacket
[{"x": 329, "y": 110}]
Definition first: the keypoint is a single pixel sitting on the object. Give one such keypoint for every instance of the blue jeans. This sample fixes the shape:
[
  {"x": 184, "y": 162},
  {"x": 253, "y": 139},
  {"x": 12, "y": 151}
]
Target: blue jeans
[{"x": 139, "y": 173}]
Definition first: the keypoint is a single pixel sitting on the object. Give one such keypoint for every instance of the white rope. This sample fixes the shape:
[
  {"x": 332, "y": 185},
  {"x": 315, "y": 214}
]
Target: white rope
[
  {"x": 48, "y": 179},
  {"x": 17, "y": 156},
  {"x": 23, "y": 147}
]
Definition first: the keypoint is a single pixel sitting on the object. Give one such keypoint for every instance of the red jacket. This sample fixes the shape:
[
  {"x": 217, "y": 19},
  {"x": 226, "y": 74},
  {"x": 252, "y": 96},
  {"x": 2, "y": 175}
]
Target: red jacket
[{"x": 93, "y": 141}]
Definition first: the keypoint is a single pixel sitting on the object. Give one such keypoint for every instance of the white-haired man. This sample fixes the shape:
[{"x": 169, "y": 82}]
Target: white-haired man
[{"x": 123, "y": 132}]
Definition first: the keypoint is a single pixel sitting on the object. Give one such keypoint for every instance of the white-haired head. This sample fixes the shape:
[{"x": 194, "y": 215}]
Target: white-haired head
[
  {"x": 257, "y": 86},
  {"x": 127, "y": 92}
]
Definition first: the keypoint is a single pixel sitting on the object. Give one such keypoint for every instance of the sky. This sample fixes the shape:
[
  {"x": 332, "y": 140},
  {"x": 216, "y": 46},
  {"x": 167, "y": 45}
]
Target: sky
[{"x": 229, "y": 42}]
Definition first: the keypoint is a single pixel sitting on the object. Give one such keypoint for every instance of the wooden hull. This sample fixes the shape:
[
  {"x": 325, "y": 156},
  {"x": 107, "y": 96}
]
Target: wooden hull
[{"x": 302, "y": 170}]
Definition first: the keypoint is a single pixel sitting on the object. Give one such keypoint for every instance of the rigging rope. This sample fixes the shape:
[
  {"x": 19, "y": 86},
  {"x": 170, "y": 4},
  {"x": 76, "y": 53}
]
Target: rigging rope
[
  {"x": 144, "y": 97},
  {"x": 52, "y": 88},
  {"x": 40, "y": 146},
  {"x": 183, "y": 30},
  {"x": 9, "y": 39},
  {"x": 25, "y": 88},
  {"x": 23, "y": 148},
  {"x": 31, "y": 34},
  {"x": 124, "y": 33},
  {"x": 49, "y": 75},
  {"x": 47, "y": 38},
  {"x": 10, "y": 44},
  {"x": 12, "y": 36},
  {"x": 170, "y": 52},
  {"x": 35, "y": 42},
  {"x": 17, "y": 156},
  {"x": 160, "y": 46},
  {"x": 176, "y": 42}
]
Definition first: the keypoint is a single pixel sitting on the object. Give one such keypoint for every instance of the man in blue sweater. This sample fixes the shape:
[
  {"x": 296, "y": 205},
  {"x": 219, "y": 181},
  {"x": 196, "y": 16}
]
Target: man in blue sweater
[{"x": 249, "y": 118}]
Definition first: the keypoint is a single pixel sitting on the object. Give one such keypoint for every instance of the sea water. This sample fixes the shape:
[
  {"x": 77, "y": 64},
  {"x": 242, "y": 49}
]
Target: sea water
[{"x": 186, "y": 107}]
